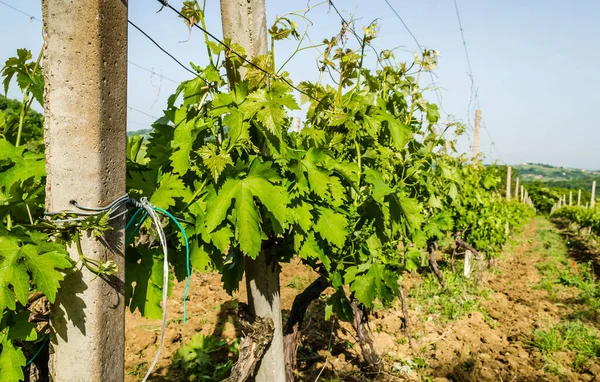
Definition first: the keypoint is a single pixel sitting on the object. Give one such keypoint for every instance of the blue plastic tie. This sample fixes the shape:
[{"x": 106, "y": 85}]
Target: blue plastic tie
[
  {"x": 38, "y": 351},
  {"x": 135, "y": 229},
  {"x": 132, "y": 218}
]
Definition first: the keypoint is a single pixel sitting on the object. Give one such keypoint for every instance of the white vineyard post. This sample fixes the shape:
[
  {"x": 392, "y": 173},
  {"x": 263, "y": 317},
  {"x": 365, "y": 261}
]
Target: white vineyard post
[
  {"x": 508, "y": 182},
  {"x": 476, "y": 134},
  {"x": 85, "y": 70},
  {"x": 570, "y": 198},
  {"x": 467, "y": 264},
  {"x": 522, "y": 192}
]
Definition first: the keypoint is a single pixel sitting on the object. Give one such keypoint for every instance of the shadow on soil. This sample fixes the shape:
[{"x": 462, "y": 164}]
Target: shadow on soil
[
  {"x": 579, "y": 247},
  {"x": 314, "y": 355}
]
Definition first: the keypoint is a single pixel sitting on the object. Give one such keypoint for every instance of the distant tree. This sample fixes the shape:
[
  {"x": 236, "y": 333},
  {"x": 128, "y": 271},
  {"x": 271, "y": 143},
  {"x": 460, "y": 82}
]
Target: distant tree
[{"x": 11, "y": 109}]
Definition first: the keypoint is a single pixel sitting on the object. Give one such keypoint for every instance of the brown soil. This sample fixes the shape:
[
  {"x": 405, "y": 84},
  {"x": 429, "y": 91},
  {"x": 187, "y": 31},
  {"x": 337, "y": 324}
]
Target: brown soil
[{"x": 473, "y": 348}]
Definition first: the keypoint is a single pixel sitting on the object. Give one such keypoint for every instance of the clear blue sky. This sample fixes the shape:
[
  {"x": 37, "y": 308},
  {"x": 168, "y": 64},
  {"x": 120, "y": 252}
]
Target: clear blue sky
[{"x": 535, "y": 63}]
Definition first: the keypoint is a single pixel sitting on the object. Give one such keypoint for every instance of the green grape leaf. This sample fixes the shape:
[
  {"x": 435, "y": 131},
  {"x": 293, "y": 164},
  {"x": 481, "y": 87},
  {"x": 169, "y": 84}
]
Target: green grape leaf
[
  {"x": 233, "y": 270},
  {"x": 303, "y": 216},
  {"x": 183, "y": 140},
  {"x": 169, "y": 188},
  {"x": 219, "y": 204},
  {"x": 221, "y": 238},
  {"x": 453, "y": 191},
  {"x": 341, "y": 306},
  {"x": 411, "y": 210},
  {"x": 10, "y": 152},
  {"x": 332, "y": 226},
  {"x": 12, "y": 361},
  {"x": 338, "y": 192},
  {"x": 17, "y": 261},
  {"x": 144, "y": 281},
  {"x": 380, "y": 189},
  {"x": 199, "y": 258},
  {"x": 247, "y": 227},
  {"x": 268, "y": 106},
  {"x": 433, "y": 115},
  {"x": 26, "y": 165},
  {"x": 257, "y": 184},
  {"x": 378, "y": 282},
  {"x": 216, "y": 162},
  {"x": 328, "y": 311},
  {"x": 400, "y": 132},
  {"x": 20, "y": 328},
  {"x": 318, "y": 178},
  {"x": 193, "y": 90},
  {"x": 412, "y": 259},
  {"x": 312, "y": 250}
]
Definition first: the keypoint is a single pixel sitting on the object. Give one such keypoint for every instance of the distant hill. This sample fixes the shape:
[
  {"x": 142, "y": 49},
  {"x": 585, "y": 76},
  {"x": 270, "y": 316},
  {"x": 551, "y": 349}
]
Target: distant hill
[
  {"x": 553, "y": 176},
  {"x": 142, "y": 132},
  {"x": 530, "y": 172}
]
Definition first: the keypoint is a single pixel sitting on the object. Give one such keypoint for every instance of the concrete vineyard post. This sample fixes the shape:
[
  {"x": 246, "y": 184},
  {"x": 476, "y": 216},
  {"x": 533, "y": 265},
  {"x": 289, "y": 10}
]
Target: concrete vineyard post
[
  {"x": 570, "y": 198},
  {"x": 517, "y": 189},
  {"x": 508, "y": 183},
  {"x": 508, "y": 188},
  {"x": 467, "y": 264},
  {"x": 579, "y": 198},
  {"x": 296, "y": 125},
  {"x": 85, "y": 70},
  {"x": 522, "y": 192},
  {"x": 244, "y": 22},
  {"x": 593, "y": 199},
  {"x": 477, "y": 134}
]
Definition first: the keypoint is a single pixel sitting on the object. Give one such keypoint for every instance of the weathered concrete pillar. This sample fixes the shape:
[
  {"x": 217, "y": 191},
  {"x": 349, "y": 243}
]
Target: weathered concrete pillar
[
  {"x": 476, "y": 134},
  {"x": 522, "y": 193},
  {"x": 244, "y": 22},
  {"x": 508, "y": 183},
  {"x": 85, "y": 68}
]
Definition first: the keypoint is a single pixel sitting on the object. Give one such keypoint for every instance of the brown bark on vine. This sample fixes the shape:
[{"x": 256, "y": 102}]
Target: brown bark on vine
[
  {"x": 406, "y": 319},
  {"x": 466, "y": 245},
  {"x": 453, "y": 259},
  {"x": 434, "y": 265},
  {"x": 292, "y": 332},
  {"x": 365, "y": 340},
  {"x": 258, "y": 334}
]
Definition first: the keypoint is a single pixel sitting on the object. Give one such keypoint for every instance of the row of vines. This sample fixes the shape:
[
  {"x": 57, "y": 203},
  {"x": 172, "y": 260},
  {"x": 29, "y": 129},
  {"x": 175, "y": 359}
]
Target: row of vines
[
  {"x": 367, "y": 190},
  {"x": 585, "y": 218}
]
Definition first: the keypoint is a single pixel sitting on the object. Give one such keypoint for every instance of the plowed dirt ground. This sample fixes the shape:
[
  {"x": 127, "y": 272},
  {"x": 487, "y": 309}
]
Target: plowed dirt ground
[{"x": 482, "y": 330}]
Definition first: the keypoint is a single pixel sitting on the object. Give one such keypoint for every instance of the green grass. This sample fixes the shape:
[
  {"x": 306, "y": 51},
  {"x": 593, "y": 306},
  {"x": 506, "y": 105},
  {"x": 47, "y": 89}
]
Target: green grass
[
  {"x": 297, "y": 282},
  {"x": 582, "y": 278},
  {"x": 139, "y": 370},
  {"x": 573, "y": 333},
  {"x": 206, "y": 358},
  {"x": 574, "y": 336},
  {"x": 558, "y": 271},
  {"x": 460, "y": 299}
]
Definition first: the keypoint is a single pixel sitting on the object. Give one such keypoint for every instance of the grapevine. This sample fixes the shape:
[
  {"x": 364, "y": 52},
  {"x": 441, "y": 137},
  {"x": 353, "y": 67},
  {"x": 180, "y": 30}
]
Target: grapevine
[{"x": 367, "y": 191}]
